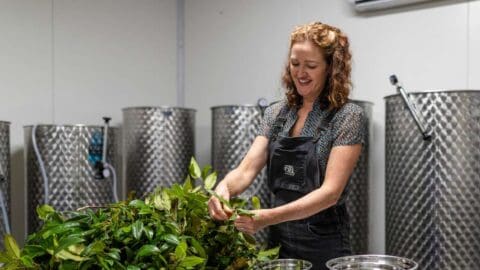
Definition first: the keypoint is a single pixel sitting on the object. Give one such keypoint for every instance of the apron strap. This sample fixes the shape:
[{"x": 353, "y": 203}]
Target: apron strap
[
  {"x": 324, "y": 124},
  {"x": 279, "y": 123}
]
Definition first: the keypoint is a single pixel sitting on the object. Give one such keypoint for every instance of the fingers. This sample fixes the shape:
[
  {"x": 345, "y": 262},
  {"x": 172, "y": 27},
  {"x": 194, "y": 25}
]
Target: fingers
[
  {"x": 216, "y": 210},
  {"x": 246, "y": 224}
]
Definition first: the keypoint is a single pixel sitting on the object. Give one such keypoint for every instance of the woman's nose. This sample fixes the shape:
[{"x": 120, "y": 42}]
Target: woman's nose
[{"x": 302, "y": 71}]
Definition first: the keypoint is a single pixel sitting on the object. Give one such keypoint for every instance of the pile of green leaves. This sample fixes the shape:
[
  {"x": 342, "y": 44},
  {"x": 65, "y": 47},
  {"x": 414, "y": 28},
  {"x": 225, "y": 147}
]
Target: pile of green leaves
[{"x": 170, "y": 229}]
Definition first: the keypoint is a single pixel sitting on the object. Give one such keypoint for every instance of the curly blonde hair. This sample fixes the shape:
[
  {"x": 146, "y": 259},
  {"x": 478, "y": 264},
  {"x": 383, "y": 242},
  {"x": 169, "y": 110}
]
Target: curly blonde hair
[{"x": 335, "y": 46}]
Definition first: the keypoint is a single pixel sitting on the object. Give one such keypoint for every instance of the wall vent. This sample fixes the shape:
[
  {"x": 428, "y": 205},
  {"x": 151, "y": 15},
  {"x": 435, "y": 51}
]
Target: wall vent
[{"x": 370, "y": 5}]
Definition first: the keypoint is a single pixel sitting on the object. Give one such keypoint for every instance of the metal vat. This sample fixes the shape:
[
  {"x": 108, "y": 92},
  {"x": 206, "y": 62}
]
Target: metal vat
[
  {"x": 357, "y": 200},
  {"x": 4, "y": 175},
  {"x": 432, "y": 186},
  {"x": 65, "y": 151},
  {"x": 158, "y": 145},
  {"x": 234, "y": 127}
]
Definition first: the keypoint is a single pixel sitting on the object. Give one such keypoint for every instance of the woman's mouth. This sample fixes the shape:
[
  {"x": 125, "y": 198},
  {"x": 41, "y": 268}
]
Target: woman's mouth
[{"x": 304, "y": 81}]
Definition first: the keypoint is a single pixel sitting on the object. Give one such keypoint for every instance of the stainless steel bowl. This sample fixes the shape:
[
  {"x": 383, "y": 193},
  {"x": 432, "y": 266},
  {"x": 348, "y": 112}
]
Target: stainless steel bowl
[
  {"x": 371, "y": 262},
  {"x": 285, "y": 264}
]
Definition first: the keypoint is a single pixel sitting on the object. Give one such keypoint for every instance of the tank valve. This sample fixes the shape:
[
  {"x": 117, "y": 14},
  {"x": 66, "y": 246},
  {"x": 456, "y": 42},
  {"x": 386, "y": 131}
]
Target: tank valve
[
  {"x": 262, "y": 104},
  {"x": 98, "y": 151}
]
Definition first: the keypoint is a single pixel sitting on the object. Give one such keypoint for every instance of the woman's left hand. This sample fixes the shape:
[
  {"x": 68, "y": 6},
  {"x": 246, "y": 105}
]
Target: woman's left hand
[{"x": 253, "y": 224}]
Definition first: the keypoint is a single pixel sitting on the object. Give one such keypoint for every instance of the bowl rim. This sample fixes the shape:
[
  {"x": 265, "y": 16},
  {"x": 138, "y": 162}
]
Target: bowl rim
[{"x": 345, "y": 259}]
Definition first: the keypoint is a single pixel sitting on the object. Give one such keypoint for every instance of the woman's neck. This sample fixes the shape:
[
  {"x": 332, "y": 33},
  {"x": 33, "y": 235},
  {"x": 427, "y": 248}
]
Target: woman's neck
[{"x": 308, "y": 104}]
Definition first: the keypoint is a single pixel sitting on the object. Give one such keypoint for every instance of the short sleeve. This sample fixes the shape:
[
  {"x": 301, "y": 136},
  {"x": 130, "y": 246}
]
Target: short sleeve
[
  {"x": 350, "y": 125},
  {"x": 269, "y": 117}
]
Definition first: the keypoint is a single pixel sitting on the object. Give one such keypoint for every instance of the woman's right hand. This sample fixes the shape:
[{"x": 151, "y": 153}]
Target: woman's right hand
[{"x": 216, "y": 209}]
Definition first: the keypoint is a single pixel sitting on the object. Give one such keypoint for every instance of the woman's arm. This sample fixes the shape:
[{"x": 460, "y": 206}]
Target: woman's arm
[
  {"x": 341, "y": 162},
  {"x": 237, "y": 180}
]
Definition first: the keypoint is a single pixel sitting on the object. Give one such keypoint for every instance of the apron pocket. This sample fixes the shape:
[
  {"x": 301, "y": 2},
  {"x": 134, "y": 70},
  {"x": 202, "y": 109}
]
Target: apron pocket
[{"x": 288, "y": 170}]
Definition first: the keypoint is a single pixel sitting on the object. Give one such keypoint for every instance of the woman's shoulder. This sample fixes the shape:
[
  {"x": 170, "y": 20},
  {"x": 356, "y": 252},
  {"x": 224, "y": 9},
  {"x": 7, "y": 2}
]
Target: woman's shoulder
[
  {"x": 274, "y": 109},
  {"x": 350, "y": 109}
]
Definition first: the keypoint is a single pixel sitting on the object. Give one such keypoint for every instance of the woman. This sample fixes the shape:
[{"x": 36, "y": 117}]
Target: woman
[{"x": 310, "y": 143}]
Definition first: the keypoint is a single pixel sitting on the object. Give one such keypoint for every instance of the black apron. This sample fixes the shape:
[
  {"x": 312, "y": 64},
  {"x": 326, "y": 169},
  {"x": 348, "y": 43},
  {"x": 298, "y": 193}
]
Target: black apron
[{"x": 293, "y": 171}]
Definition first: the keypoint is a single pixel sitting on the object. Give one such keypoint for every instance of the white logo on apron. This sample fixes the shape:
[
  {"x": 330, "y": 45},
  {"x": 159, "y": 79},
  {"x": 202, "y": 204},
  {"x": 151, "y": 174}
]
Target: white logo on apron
[{"x": 289, "y": 170}]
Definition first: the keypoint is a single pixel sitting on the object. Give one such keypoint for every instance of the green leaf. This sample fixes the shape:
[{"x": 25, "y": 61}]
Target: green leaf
[
  {"x": 171, "y": 239},
  {"x": 137, "y": 228},
  {"x": 210, "y": 181},
  {"x": 114, "y": 254},
  {"x": 191, "y": 261},
  {"x": 206, "y": 170},
  {"x": 148, "y": 232},
  {"x": 34, "y": 251},
  {"x": 63, "y": 254},
  {"x": 220, "y": 198},
  {"x": 76, "y": 249},
  {"x": 64, "y": 243},
  {"x": 147, "y": 250},
  {"x": 198, "y": 247},
  {"x": 250, "y": 239},
  {"x": 44, "y": 210},
  {"x": 133, "y": 267},
  {"x": 244, "y": 212},
  {"x": 256, "y": 202},
  {"x": 27, "y": 261},
  {"x": 11, "y": 246},
  {"x": 181, "y": 250},
  {"x": 269, "y": 254},
  {"x": 137, "y": 204},
  {"x": 60, "y": 228},
  {"x": 194, "y": 169},
  {"x": 187, "y": 186},
  {"x": 162, "y": 201},
  {"x": 68, "y": 265},
  {"x": 96, "y": 247}
]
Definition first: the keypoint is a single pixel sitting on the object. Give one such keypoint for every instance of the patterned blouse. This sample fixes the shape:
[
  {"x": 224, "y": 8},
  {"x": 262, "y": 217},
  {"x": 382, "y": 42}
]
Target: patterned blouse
[{"x": 347, "y": 127}]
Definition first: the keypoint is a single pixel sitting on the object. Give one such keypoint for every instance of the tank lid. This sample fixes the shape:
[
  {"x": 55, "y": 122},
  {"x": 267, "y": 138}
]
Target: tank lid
[
  {"x": 436, "y": 91},
  {"x": 5, "y": 122},
  {"x": 68, "y": 125},
  {"x": 361, "y": 101},
  {"x": 158, "y": 107},
  {"x": 232, "y": 105}
]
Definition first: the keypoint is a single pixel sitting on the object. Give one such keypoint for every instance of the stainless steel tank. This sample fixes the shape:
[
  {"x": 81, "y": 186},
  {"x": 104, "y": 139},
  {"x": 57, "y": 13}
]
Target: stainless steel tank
[
  {"x": 68, "y": 153},
  {"x": 357, "y": 200},
  {"x": 433, "y": 186},
  {"x": 234, "y": 127},
  {"x": 4, "y": 174},
  {"x": 158, "y": 145}
]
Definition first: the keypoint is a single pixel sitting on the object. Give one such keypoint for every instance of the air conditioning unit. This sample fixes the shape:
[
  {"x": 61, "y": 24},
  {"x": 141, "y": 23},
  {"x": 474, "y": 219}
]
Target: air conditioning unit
[{"x": 370, "y": 5}]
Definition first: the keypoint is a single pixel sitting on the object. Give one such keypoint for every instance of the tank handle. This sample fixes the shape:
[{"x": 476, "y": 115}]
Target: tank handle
[{"x": 411, "y": 107}]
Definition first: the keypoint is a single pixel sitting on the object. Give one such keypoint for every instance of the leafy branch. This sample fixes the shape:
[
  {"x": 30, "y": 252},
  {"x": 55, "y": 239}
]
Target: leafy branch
[{"x": 169, "y": 229}]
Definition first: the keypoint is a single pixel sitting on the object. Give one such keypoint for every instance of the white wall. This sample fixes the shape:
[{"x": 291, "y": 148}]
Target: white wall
[
  {"x": 70, "y": 62},
  {"x": 235, "y": 51}
]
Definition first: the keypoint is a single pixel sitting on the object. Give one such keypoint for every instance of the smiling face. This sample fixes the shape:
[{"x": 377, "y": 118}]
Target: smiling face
[{"x": 308, "y": 69}]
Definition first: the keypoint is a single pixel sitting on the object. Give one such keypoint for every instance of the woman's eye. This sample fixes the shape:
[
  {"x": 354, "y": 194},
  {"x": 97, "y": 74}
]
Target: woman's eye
[
  {"x": 294, "y": 64},
  {"x": 311, "y": 67}
]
